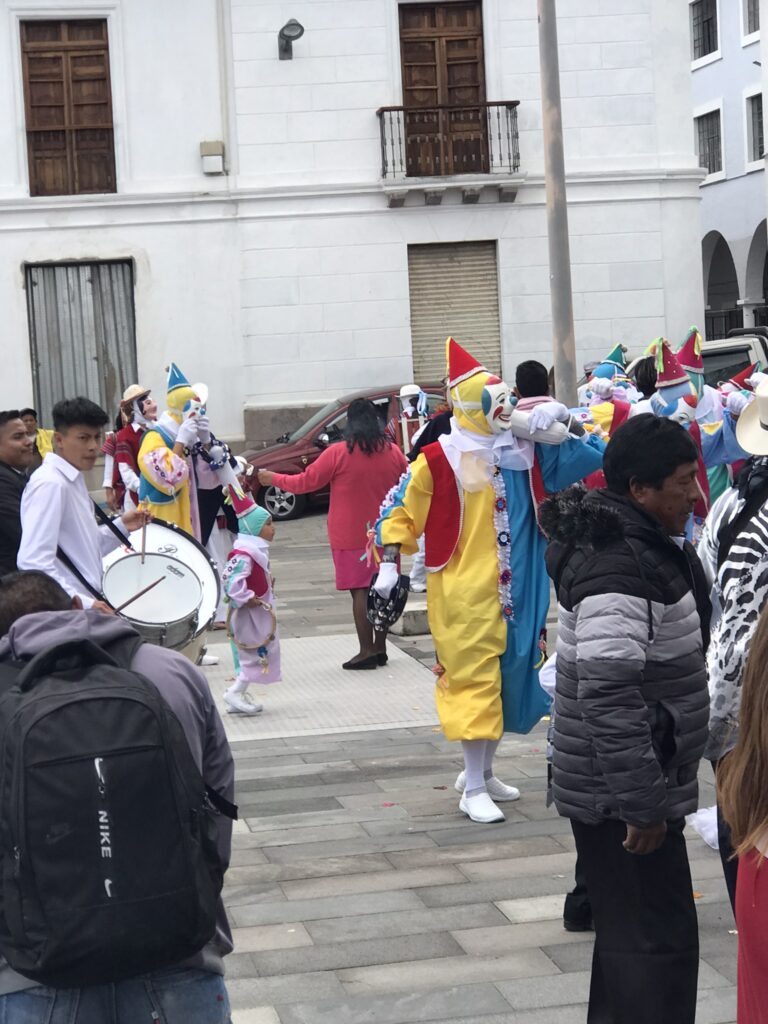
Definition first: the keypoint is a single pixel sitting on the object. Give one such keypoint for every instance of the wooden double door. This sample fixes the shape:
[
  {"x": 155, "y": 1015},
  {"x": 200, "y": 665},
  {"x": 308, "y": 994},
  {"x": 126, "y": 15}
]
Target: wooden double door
[{"x": 445, "y": 117}]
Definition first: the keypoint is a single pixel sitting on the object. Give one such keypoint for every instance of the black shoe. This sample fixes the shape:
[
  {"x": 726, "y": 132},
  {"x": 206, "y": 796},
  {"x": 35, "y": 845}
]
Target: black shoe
[
  {"x": 363, "y": 663},
  {"x": 585, "y": 925},
  {"x": 382, "y": 658}
]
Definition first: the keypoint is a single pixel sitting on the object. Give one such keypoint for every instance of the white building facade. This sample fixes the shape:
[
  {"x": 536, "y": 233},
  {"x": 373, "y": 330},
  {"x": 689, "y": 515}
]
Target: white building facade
[
  {"x": 380, "y": 190},
  {"x": 728, "y": 123}
]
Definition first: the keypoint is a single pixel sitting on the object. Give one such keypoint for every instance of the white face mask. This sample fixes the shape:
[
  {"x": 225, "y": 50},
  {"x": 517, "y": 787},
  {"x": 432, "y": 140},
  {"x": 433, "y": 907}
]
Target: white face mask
[{"x": 497, "y": 405}]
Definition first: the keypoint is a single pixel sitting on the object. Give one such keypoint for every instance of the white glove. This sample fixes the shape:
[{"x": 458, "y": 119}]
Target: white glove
[
  {"x": 187, "y": 434},
  {"x": 757, "y": 379},
  {"x": 737, "y": 402},
  {"x": 544, "y": 415},
  {"x": 387, "y": 579},
  {"x": 203, "y": 429},
  {"x": 602, "y": 386}
]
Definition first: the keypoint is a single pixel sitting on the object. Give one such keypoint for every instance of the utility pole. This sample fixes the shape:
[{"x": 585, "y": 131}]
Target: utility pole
[{"x": 563, "y": 338}]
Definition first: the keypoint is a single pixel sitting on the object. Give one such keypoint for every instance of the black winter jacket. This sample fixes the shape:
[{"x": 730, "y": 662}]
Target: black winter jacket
[{"x": 631, "y": 703}]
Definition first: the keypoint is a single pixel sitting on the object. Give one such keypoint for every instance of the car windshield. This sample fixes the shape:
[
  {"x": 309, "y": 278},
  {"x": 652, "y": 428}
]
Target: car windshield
[{"x": 318, "y": 418}]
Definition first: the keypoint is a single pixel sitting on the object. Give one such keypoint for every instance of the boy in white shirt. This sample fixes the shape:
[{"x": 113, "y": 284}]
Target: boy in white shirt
[{"x": 57, "y": 514}]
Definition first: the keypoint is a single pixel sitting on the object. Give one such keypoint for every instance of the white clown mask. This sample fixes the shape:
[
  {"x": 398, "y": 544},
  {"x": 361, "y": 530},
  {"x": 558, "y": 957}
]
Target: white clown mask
[{"x": 497, "y": 405}]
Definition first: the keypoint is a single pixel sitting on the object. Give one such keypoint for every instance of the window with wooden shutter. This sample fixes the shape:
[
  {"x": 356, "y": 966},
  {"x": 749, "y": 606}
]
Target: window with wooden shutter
[
  {"x": 441, "y": 47},
  {"x": 68, "y": 102}
]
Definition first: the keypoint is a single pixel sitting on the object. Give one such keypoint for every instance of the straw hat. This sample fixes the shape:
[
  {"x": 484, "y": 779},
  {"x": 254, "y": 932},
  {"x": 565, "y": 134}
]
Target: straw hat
[
  {"x": 752, "y": 425},
  {"x": 132, "y": 392}
]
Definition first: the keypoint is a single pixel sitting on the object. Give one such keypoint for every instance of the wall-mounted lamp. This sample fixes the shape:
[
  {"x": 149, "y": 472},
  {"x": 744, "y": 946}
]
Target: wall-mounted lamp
[{"x": 287, "y": 36}]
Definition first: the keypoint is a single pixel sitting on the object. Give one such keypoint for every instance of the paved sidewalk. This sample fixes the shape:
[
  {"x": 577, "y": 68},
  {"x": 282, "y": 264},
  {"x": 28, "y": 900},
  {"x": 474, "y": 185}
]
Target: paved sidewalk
[{"x": 358, "y": 892}]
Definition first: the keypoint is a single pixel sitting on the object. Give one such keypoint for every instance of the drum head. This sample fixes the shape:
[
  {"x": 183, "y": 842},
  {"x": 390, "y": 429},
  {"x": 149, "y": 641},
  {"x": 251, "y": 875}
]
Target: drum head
[
  {"x": 177, "y": 597},
  {"x": 169, "y": 539}
]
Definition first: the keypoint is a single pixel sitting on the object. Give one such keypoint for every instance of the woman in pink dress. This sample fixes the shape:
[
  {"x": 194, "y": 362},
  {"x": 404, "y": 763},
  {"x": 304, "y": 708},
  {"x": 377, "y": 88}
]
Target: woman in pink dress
[
  {"x": 742, "y": 779},
  {"x": 360, "y": 472}
]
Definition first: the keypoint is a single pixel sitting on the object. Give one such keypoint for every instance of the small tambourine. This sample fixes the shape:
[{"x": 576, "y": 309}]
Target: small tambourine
[{"x": 252, "y": 647}]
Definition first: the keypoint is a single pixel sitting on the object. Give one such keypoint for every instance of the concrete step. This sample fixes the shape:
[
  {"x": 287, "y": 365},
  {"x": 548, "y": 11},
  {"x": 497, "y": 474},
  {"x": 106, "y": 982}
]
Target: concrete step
[{"x": 413, "y": 621}]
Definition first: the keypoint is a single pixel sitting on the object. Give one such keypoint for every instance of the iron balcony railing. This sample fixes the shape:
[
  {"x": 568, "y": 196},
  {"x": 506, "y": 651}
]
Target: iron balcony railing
[{"x": 437, "y": 141}]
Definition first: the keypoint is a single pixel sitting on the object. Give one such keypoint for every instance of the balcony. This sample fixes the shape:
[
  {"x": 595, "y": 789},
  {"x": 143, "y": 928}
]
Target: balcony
[{"x": 429, "y": 150}]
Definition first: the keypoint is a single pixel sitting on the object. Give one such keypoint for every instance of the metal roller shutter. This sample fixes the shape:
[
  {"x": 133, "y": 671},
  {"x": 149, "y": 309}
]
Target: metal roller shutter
[
  {"x": 454, "y": 290},
  {"x": 82, "y": 332}
]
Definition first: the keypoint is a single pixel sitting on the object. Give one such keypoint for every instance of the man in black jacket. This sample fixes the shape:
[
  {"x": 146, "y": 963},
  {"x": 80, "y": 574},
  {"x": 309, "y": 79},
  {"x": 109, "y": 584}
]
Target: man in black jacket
[
  {"x": 631, "y": 711},
  {"x": 16, "y": 451}
]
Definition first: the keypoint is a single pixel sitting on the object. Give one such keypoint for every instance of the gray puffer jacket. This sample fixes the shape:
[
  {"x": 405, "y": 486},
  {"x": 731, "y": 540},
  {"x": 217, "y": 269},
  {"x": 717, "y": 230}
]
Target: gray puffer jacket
[{"x": 631, "y": 702}]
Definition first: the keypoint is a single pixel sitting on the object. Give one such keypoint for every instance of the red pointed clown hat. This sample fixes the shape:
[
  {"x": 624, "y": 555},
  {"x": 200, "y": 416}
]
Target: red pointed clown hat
[
  {"x": 461, "y": 365},
  {"x": 739, "y": 381},
  {"x": 689, "y": 353},
  {"x": 670, "y": 372}
]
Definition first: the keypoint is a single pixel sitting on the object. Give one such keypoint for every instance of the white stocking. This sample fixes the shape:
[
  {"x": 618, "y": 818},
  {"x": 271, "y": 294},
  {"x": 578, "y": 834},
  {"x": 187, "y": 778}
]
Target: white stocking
[
  {"x": 239, "y": 686},
  {"x": 490, "y": 750},
  {"x": 474, "y": 765}
]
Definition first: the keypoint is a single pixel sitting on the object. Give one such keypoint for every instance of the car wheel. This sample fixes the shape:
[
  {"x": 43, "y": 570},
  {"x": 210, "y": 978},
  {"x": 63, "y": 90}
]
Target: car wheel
[{"x": 282, "y": 505}]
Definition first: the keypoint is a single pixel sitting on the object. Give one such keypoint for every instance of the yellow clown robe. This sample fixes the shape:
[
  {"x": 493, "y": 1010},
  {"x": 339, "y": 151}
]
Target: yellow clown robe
[
  {"x": 165, "y": 476},
  {"x": 487, "y": 586}
]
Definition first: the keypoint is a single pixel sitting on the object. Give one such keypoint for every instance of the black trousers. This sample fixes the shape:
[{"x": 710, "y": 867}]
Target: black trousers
[{"x": 646, "y": 960}]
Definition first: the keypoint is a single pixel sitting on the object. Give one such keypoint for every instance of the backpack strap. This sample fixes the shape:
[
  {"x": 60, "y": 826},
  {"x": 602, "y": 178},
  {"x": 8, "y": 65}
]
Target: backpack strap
[
  {"x": 124, "y": 651},
  {"x": 10, "y": 670}
]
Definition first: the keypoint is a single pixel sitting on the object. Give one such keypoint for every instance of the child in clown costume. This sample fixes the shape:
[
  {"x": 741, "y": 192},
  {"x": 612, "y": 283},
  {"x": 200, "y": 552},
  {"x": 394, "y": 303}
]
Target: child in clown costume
[
  {"x": 164, "y": 488},
  {"x": 248, "y": 583},
  {"x": 473, "y": 495}
]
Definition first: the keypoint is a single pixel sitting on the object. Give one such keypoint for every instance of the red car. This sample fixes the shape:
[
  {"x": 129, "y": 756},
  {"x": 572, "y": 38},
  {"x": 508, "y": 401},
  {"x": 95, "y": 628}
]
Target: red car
[{"x": 292, "y": 453}]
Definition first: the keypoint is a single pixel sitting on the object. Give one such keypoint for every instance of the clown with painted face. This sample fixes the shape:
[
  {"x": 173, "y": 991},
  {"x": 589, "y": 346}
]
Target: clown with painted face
[
  {"x": 473, "y": 495},
  {"x": 687, "y": 400},
  {"x": 163, "y": 463}
]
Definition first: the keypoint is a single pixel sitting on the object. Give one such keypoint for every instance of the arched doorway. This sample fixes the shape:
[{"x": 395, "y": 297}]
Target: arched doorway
[
  {"x": 757, "y": 276},
  {"x": 721, "y": 287}
]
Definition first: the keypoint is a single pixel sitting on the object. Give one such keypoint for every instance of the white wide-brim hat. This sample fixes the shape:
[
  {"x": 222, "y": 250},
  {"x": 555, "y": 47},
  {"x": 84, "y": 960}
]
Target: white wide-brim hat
[{"x": 752, "y": 425}]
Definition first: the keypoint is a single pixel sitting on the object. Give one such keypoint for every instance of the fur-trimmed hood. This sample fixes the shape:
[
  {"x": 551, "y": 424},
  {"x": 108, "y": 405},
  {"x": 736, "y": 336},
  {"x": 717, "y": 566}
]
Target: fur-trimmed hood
[{"x": 587, "y": 518}]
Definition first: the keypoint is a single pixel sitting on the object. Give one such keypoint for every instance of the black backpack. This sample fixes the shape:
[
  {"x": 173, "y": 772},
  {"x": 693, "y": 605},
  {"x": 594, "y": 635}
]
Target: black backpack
[{"x": 107, "y": 833}]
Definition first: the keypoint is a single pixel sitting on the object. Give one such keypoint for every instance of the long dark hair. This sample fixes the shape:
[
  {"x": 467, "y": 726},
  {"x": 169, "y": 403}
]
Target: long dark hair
[{"x": 364, "y": 428}]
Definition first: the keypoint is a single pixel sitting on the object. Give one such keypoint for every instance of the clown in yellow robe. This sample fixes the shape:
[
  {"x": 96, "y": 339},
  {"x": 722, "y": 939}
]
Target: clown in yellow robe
[
  {"x": 490, "y": 680},
  {"x": 164, "y": 485}
]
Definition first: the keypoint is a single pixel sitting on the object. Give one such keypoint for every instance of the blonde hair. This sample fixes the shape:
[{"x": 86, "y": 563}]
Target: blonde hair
[{"x": 742, "y": 778}]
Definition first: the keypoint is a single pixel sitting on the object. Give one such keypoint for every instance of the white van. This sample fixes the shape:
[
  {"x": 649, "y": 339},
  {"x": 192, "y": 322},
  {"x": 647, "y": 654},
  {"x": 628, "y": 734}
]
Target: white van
[{"x": 727, "y": 357}]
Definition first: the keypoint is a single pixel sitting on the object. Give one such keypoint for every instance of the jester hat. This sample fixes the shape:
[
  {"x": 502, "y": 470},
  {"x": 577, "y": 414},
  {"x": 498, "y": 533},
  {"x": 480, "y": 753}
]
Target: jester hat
[
  {"x": 250, "y": 516},
  {"x": 467, "y": 380},
  {"x": 614, "y": 364},
  {"x": 689, "y": 353},
  {"x": 179, "y": 389}
]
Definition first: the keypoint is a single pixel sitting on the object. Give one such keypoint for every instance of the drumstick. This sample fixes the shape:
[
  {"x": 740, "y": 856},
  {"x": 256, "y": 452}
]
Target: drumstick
[
  {"x": 141, "y": 593},
  {"x": 144, "y": 533}
]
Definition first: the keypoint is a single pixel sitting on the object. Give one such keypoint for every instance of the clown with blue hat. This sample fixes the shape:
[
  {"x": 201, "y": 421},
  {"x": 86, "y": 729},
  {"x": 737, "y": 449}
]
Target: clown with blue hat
[
  {"x": 163, "y": 457},
  {"x": 251, "y": 623}
]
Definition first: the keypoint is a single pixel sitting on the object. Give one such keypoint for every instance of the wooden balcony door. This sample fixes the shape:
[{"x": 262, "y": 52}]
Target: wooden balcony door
[{"x": 441, "y": 47}]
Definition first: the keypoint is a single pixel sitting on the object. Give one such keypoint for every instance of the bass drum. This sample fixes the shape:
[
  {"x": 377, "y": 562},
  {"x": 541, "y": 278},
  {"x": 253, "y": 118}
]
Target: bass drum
[{"x": 168, "y": 539}]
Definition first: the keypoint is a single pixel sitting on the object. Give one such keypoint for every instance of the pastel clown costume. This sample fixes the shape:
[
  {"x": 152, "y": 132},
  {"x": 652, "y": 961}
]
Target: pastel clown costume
[
  {"x": 473, "y": 495},
  {"x": 165, "y": 475},
  {"x": 252, "y": 626}
]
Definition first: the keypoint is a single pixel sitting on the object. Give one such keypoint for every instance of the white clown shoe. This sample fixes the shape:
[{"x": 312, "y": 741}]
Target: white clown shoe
[
  {"x": 480, "y": 808},
  {"x": 241, "y": 704},
  {"x": 497, "y": 790}
]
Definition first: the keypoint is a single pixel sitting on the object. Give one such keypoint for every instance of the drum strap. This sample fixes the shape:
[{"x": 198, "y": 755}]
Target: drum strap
[
  {"x": 104, "y": 518},
  {"x": 64, "y": 557}
]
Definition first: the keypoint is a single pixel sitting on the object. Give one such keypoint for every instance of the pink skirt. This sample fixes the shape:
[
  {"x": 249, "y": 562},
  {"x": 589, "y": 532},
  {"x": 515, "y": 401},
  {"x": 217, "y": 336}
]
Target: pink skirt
[{"x": 351, "y": 573}]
